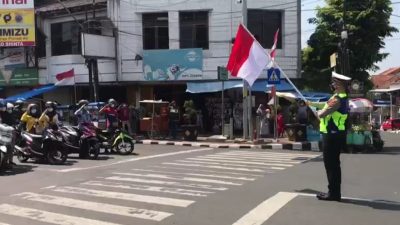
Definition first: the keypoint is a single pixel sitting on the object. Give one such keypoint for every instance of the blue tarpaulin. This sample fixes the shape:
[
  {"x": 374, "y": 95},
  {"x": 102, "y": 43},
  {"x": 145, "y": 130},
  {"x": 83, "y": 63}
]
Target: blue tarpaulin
[
  {"x": 32, "y": 93},
  {"x": 216, "y": 86}
]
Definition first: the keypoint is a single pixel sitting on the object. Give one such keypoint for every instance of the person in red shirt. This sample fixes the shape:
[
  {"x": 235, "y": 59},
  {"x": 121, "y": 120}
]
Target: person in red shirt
[
  {"x": 124, "y": 117},
  {"x": 110, "y": 110}
]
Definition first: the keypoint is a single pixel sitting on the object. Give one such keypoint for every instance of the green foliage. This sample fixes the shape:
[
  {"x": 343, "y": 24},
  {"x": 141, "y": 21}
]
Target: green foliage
[
  {"x": 367, "y": 22},
  {"x": 190, "y": 115}
]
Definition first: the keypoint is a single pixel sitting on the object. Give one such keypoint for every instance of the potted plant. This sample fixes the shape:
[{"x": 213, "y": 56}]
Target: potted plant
[{"x": 190, "y": 128}]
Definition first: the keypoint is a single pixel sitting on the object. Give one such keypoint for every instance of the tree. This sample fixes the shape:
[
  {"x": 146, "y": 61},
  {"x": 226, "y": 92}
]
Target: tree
[{"x": 367, "y": 23}]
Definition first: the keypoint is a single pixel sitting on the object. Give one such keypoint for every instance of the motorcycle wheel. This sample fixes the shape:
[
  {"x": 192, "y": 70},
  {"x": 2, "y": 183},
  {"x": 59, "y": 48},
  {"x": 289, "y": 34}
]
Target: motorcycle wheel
[
  {"x": 57, "y": 156},
  {"x": 94, "y": 150},
  {"x": 22, "y": 158},
  {"x": 126, "y": 147}
]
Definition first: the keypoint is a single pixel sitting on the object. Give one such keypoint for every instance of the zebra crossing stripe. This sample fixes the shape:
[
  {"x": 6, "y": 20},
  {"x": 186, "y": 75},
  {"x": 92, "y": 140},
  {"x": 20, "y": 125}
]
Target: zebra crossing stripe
[
  {"x": 181, "y": 178},
  {"x": 48, "y": 217},
  {"x": 252, "y": 159},
  {"x": 178, "y": 191},
  {"x": 95, "y": 206},
  {"x": 210, "y": 171},
  {"x": 265, "y": 158},
  {"x": 199, "y": 175},
  {"x": 242, "y": 162},
  {"x": 126, "y": 196},
  {"x": 267, "y": 154},
  {"x": 161, "y": 182},
  {"x": 192, "y": 164},
  {"x": 4, "y": 223},
  {"x": 232, "y": 164}
]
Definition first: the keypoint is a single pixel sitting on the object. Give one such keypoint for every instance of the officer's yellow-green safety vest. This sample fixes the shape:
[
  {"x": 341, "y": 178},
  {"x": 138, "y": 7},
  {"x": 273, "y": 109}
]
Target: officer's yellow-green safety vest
[{"x": 336, "y": 121}]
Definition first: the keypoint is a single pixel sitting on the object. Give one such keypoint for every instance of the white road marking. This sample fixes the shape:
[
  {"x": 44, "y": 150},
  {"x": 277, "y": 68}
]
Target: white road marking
[
  {"x": 4, "y": 223},
  {"x": 49, "y": 187},
  {"x": 134, "y": 159},
  {"x": 178, "y": 191},
  {"x": 252, "y": 159},
  {"x": 232, "y": 164},
  {"x": 266, "y": 209},
  {"x": 266, "y": 154},
  {"x": 199, "y": 175},
  {"x": 214, "y": 167},
  {"x": 160, "y": 176},
  {"x": 209, "y": 171},
  {"x": 126, "y": 196},
  {"x": 97, "y": 207},
  {"x": 48, "y": 217},
  {"x": 161, "y": 182},
  {"x": 283, "y": 156},
  {"x": 350, "y": 198},
  {"x": 242, "y": 162}
]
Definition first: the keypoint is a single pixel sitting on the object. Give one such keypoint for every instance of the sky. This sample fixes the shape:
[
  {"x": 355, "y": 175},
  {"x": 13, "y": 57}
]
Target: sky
[{"x": 392, "y": 43}]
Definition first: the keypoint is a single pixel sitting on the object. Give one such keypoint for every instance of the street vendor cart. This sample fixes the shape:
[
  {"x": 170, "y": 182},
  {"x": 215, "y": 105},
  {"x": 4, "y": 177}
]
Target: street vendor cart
[
  {"x": 155, "y": 124},
  {"x": 361, "y": 136}
]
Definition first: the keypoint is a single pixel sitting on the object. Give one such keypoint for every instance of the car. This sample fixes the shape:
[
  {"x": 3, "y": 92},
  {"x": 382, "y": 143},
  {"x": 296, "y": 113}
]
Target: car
[{"x": 391, "y": 124}]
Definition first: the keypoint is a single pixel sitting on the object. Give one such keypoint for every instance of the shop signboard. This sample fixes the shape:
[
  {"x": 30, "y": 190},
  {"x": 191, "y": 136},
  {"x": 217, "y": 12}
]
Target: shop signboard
[
  {"x": 19, "y": 77},
  {"x": 170, "y": 65},
  {"x": 17, "y": 23}
]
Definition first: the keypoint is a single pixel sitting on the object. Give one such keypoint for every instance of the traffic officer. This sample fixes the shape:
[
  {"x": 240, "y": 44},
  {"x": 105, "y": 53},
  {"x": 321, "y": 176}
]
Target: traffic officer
[{"x": 333, "y": 117}]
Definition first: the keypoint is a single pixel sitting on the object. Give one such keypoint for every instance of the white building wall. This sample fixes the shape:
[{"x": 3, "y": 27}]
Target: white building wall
[{"x": 225, "y": 15}]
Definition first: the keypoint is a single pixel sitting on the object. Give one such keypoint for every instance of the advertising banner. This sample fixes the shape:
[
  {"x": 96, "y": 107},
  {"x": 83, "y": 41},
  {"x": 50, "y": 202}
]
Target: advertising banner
[
  {"x": 17, "y": 27},
  {"x": 16, "y": 4},
  {"x": 176, "y": 64},
  {"x": 19, "y": 77}
]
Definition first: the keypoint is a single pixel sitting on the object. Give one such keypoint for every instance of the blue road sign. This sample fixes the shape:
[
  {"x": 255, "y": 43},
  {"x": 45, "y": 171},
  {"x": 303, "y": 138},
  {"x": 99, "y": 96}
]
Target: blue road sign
[{"x": 274, "y": 76}]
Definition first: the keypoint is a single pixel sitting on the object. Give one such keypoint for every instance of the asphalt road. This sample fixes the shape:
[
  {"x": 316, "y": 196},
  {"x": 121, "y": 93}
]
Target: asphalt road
[{"x": 203, "y": 186}]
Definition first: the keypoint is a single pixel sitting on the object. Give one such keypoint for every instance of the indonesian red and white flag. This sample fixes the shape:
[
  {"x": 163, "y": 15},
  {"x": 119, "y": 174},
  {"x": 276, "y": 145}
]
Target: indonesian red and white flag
[
  {"x": 273, "y": 49},
  {"x": 248, "y": 58},
  {"x": 65, "y": 78}
]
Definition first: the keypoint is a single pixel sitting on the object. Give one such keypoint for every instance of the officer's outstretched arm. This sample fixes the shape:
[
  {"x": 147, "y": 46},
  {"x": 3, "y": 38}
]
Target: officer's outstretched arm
[{"x": 333, "y": 105}]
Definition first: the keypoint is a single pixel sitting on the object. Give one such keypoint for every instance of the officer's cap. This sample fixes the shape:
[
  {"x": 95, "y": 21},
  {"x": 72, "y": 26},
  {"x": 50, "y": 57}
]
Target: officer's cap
[{"x": 340, "y": 77}]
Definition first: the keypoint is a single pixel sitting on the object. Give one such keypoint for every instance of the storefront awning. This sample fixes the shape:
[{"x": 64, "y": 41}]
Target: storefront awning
[
  {"x": 32, "y": 93},
  {"x": 216, "y": 86}
]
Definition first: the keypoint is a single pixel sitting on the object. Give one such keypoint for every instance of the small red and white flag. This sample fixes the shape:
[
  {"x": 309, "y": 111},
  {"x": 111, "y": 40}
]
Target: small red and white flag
[
  {"x": 248, "y": 58},
  {"x": 273, "y": 49},
  {"x": 65, "y": 78}
]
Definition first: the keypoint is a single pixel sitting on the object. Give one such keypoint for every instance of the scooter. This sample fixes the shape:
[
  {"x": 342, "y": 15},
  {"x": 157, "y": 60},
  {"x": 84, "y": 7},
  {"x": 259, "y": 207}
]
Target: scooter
[
  {"x": 82, "y": 141},
  {"x": 118, "y": 141},
  {"x": 6, "y": 146},
  {"x": 48, "y": 147}
]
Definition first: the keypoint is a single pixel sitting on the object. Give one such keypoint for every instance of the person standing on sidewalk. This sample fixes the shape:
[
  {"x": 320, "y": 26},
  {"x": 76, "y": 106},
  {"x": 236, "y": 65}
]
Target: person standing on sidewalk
[
  {"x": 173, "y": 119},
  {"x": 124, "y": 117},
  {"x": 333, "y": 117}
]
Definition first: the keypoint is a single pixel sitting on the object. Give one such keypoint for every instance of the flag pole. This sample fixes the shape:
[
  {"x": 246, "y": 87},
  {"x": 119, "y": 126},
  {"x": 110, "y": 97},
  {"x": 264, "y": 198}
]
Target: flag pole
[
  {"x": 246, "y": 91},
  {"x": 76, "y": 100}
]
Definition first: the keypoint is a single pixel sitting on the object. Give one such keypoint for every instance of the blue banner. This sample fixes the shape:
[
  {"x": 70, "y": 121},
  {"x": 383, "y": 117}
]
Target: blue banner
[{"x": 175, "y": 64}]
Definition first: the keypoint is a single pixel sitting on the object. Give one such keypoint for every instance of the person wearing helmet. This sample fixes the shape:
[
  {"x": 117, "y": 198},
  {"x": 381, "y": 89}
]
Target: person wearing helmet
[
  {"x": 30, "y": 119},
  {"x": 83, "y": 115},
  {"x": 7, "y": 116},
  {"x": 49, "y": 117},
  {"x": 110, "y": 110}
]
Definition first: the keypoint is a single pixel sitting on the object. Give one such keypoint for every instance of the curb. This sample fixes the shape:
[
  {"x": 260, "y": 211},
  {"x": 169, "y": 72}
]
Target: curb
[{"x": 296, "y": 146}]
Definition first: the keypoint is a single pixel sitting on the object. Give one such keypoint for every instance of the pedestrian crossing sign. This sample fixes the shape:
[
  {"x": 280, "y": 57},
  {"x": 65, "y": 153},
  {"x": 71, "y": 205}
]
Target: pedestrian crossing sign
[{"x": 274, "y": 76}]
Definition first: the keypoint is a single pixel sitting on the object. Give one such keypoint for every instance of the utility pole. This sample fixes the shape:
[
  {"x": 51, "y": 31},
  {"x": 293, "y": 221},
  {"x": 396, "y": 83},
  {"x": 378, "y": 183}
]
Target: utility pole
[
  {"x": 95, "y": 69},
  {"x": 344, "y": 61},
  {"x": 246, "y": 97}
]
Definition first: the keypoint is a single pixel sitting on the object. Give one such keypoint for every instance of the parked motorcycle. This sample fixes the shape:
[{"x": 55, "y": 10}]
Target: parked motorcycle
[
  {"x": 118, "y": 141},
  {"x": 7, "y": 139},
  {"x": 83, "y": 141},
  {"x": 48, "y": 147}
]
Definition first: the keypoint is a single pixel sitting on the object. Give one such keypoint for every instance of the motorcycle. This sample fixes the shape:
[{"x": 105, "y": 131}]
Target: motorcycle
[
  {"x": 82, "y": 141},
  {"x": 118, "y": 141},
  {"x": 7, "y": 139},
  {"x": 48, "y": 147}
]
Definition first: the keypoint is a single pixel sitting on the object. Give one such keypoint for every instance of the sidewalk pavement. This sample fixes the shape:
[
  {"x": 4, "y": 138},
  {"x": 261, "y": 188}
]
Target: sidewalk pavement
[{"x": 282, "y": 144}]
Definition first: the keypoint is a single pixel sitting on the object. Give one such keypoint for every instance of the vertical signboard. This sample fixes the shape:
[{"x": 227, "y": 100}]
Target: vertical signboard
[{"x": 17, "y": 23}]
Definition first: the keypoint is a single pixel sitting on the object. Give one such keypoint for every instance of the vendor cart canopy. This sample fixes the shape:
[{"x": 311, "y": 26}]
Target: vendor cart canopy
[
  {"x": 216, "y": 86},
  {"x": 360, "y": 105}
]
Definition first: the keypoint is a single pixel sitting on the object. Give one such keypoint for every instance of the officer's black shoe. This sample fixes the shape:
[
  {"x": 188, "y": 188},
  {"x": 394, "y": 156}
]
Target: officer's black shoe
[{"x": 329, "y": 197}]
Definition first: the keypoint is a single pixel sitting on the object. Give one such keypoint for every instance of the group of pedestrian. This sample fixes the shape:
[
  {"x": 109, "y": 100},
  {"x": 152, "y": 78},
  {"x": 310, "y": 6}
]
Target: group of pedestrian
[{"x": 267, "y": 122}]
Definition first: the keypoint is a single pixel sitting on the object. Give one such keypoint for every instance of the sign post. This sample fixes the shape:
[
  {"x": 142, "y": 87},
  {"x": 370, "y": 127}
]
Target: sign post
[
  {"x": 222, "y": 76},
  {"x": 274, "y": 78}
]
